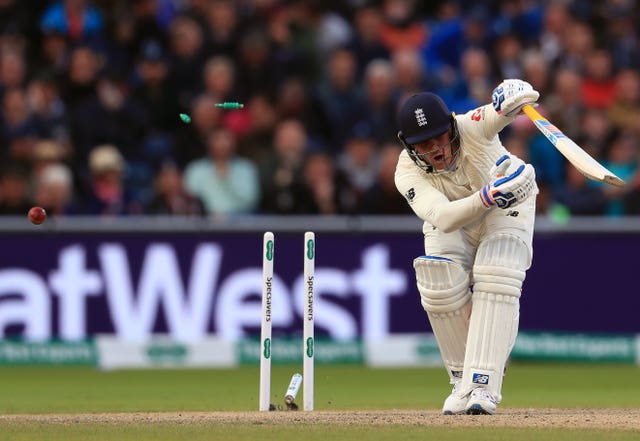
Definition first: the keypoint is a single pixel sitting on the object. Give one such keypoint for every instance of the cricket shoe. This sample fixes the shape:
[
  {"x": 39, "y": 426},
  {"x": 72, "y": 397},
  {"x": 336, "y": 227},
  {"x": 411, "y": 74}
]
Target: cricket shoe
[
  {"x": 481, "y": 402},
  {"x": 455, "y": 404}
]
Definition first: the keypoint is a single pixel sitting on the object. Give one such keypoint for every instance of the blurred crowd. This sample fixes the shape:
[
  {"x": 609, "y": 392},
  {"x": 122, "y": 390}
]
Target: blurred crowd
[{"x": 91, "y": 93}]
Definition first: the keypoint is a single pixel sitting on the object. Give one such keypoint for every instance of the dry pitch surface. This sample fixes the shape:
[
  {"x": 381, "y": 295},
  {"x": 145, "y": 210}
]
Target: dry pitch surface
[{"x": 624, "y": 419}]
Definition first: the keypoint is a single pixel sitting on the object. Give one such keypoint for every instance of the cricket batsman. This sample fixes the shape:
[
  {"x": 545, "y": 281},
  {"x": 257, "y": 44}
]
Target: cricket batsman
[{"x": 477, "y": 202}]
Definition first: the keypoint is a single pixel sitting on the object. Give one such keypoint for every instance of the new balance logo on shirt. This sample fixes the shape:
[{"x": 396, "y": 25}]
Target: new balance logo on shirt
[{"x": 410, "y": 194}]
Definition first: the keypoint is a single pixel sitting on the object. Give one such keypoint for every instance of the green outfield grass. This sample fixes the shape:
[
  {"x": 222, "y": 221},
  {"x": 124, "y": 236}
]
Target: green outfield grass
[
  {"x": 206, "y": 432},
  {"x": 39, "y": 390}
]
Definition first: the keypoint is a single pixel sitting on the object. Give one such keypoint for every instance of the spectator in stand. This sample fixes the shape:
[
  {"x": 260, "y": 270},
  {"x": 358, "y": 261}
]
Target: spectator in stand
[
  {"x": 147, "y": 24},
  {"x": 45, "y": 153},
  {"x": 473, "y": 84},
  {"x": 536, "y": 71},
  {"x": 256, "y": 70},
  {"x": 294, "y": 100},
  {"x": 622, "y": 160},
  {"x": 579, "y": 195},
  {"x": 340, "y": 97},
  {"x": 18, "y": 23},
  {"x": 401, "y": 28},
  {"x": 577, "y": 44},
  {"x": 13, "y": 71},
  {"x": 226, "y": 183},
  {"x": 624, "y": 112},
  {"x": 293, "y": 44},
  {"x": 632, "y": 199},
  {"x": 218, "y": 77},
  {"x": 80, "y": 83},
  {"x": 366, "y": 43},
  {"x": 555, "y": 22},
  {"x": 326, "y": 190},
  {"x": 383, "y": 196},
  {"x": 111, "y": 116},
  {"x": 281, "y": 171},
  {"x": 121, "y": 48},
  {"x": 256, "y": 143},
  {"x": 53, "y": 56},
  {"x": 596, "y": 132},
  {"x": 358, "y": 162},
  {"x": 106, "y": 193},
  {"x": 520, "y": 19},
  {"x": 564, "y": 104},
  {"x": 221, "y": 24},
  {"x": 457, "y": 32},
  {"x": 198, "y": 9},
  {"x": 598, "y": 83},
  {"x": 171, "y": 197},
  {"x": 507, "y": 53},
  {"x": 155, "y": 93},
  {"x": 54, "y": 190},
  {"x": 332, "y": 30},
  {"x": 621, "y": 31},
  {"x": 45, "y": 103},
  {"x": 191, "y": 139},
  {"x": 381, "y": 99},
  {"x": 14, "y": 190},
  {"x": 78, "y": 20},
  {"x": 188, "y": 55},
  {"x": 155, "y": 90},
  {"x": 19, "y": 129},
  {"x": 410, "y": 73}
]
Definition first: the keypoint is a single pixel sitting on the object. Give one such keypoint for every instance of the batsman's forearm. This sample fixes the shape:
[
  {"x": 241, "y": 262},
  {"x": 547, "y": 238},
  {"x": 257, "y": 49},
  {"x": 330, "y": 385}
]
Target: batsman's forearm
[
  {"x": 453, "y": 215},
  {"x": 495, "y": 123}
]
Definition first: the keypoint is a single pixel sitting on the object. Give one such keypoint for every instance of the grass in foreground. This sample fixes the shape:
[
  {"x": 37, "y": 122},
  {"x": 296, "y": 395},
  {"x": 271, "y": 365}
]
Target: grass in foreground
[
  {"x": 34, "y": 390},
  {"x": 207, "y": 432},
  {"x": 82, "y": 390}
]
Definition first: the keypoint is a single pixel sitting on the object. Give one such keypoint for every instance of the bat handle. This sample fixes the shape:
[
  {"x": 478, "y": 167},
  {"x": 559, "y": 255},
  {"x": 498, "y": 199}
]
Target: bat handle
[{"x": 531, "y": 112}]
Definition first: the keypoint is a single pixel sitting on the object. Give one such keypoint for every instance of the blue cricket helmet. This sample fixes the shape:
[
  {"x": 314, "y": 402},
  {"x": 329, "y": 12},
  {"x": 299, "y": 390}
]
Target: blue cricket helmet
[{"x": 423, "y": 116}]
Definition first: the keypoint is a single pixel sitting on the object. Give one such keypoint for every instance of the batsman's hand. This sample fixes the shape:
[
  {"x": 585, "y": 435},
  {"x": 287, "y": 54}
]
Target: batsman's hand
[
  {"x": 510, "y": 95},
  {"x": 510, "y": 190}
]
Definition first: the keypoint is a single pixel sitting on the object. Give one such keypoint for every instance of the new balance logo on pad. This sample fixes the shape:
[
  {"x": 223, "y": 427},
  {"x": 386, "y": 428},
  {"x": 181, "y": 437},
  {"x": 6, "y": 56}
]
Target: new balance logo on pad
[{"x": 480, "y": 379}]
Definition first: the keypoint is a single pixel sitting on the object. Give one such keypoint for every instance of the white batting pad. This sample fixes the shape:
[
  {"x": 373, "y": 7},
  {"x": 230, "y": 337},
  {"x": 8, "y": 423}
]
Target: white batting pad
[
  {"x": 498, "y": 274},
  {"x": 444, "y": 291}
]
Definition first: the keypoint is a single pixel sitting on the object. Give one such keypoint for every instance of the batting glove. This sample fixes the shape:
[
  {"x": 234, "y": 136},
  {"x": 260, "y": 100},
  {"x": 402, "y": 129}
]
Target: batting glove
[
  {"x": 511, "y": 190},
  {"x": 510, "y": 95},
  {"x": 501, "y": 167}
]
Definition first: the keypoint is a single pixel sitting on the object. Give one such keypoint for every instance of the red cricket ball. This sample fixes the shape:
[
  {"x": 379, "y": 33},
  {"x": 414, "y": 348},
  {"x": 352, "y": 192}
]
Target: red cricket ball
[{"x": 37, "y": 215}]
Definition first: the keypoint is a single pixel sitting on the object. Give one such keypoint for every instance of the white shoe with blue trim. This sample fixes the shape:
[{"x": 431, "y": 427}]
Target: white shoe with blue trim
[
  {"x": 455, "y": 404},
  {"x": 481, "y": 402}
]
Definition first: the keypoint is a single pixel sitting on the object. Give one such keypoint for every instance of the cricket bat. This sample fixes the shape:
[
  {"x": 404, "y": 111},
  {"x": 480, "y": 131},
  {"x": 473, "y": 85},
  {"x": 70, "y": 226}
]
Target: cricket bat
[{"x": 580, "y": 159}]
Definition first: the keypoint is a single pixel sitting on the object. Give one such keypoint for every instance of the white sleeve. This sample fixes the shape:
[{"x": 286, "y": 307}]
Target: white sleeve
[
  {"x": 430, "y": 205},
  {"x": 491, "y": 122}
]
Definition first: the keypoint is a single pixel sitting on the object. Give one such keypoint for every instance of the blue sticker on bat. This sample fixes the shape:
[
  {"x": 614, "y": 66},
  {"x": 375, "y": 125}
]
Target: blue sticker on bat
[{"x": 553, "y": 133}]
